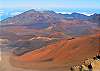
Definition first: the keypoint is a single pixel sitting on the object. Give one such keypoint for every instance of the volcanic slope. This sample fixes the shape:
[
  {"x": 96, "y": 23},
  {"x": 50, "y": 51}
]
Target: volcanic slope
[{"x": 64, "y": 53}]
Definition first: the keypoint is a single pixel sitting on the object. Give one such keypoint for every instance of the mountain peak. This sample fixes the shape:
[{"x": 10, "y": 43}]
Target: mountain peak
[{"x": 32, "y": 11}]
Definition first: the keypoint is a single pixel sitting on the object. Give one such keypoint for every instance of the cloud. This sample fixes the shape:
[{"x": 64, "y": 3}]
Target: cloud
[
  {"x": 1, "y": 12},
  {"x": 65, "y": 12},
  {"x": 15, "y": 13},
  {"x": 87, "y": 14}
]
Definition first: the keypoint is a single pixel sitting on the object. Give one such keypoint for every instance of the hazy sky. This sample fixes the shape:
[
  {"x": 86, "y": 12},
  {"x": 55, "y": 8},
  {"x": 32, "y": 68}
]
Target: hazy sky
[
  {"x": 87, "y": 7},
  {"x": 46, "y": 4}
]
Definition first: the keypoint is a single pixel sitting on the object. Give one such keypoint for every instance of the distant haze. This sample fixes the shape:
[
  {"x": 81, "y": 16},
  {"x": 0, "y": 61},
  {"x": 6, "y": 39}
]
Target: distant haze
[{"x": 10, "y": 8}]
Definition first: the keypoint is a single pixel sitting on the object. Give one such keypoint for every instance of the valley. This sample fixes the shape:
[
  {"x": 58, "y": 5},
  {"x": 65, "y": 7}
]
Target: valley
[{"x": 48, "y": 41}]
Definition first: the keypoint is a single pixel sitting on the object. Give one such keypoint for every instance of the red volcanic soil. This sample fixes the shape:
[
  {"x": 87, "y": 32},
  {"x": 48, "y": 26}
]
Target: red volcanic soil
[
  {"x": 39, "y": 54},
  {"x": 67, "y": 52}
]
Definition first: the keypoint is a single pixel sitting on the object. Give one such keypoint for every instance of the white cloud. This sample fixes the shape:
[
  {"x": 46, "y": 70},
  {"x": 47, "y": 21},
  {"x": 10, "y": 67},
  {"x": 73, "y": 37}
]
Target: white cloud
[
  {"x": 15, "y": 13},
  {"x": 1, "y": 12},
  {"x": 87, "y": 14},
  {"x": 65, "y": 12}
]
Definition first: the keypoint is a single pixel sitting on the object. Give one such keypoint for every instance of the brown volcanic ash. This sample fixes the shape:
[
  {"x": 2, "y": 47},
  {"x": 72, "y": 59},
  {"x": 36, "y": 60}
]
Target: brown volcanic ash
[{"x": 67, "y": 52}]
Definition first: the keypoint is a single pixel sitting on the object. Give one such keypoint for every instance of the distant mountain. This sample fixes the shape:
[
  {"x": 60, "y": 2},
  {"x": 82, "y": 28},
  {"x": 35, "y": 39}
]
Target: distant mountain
[
  {"x": 48, "y": 17},
  {"x": 48, "y": 22},
  {"x": 96, "y": 18},
  {"x": 33, "y": 17},
  {"x": 76, "y": 16}
]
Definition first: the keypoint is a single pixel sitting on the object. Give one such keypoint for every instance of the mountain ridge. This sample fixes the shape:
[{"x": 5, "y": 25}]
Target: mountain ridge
[{"x": 32, "y": 16}]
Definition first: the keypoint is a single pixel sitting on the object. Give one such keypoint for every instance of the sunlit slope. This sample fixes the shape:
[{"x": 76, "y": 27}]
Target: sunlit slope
[{"x": 67, "y": 52}]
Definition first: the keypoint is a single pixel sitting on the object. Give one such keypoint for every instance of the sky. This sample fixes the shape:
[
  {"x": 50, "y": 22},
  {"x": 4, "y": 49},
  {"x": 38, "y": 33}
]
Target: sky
[
  {"x": 50, "y": 4},
  {"x": 64, "y": 6}
]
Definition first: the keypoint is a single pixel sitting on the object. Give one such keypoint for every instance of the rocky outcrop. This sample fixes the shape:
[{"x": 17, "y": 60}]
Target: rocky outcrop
[{"x": 88, "y": 65}]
